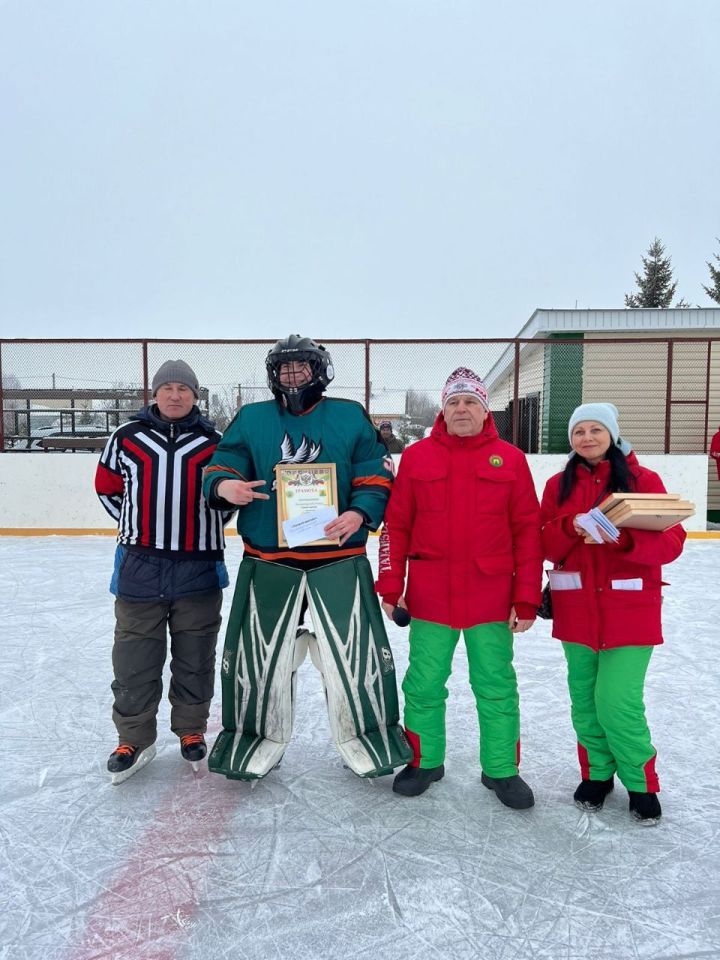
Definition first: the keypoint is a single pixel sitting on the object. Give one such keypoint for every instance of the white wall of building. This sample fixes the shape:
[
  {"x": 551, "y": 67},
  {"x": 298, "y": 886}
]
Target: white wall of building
[{"x": 55, "y": 491}]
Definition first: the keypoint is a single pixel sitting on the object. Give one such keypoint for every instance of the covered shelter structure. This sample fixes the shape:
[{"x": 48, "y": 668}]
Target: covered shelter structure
[{"x": 661, "y": 368}]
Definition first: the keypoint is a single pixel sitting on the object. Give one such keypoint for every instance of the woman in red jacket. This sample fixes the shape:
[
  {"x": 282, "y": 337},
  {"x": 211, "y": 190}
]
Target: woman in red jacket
[{"x": 606, "y": 610}]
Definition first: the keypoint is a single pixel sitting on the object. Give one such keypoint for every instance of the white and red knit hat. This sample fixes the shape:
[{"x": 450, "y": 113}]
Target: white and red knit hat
[{"x": 463, "y": 380}]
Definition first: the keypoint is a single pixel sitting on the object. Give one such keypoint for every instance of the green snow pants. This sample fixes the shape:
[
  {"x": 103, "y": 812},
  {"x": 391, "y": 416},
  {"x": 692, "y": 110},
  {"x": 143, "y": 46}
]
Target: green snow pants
[
  {"x": 608, "y": 714},
  {"x": 494, "y": 684}
]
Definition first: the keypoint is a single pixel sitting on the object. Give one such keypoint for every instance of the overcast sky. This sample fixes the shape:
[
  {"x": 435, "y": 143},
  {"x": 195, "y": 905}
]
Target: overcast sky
[{"x": 221, "y": 168}]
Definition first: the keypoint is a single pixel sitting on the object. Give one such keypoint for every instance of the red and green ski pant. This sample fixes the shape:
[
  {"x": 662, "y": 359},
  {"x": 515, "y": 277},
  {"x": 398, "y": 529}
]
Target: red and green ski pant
[
  {"x": 494, "y": 684},
  {"x": 608, "y": 714}
]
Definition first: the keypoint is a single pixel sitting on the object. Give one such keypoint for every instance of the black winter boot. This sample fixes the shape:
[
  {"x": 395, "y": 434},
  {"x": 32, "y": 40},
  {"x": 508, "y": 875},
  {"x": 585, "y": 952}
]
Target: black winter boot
[
  {"x": 590, "y": 795},
  {"x": 512, "y": 791},
  {"x": 412, "y": 781},
  {"x": 645, "y": 807}
]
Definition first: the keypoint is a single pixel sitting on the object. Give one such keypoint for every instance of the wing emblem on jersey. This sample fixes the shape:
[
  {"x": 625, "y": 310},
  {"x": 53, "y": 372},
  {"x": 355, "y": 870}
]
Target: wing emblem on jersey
[{"x": 306, "y": 452}]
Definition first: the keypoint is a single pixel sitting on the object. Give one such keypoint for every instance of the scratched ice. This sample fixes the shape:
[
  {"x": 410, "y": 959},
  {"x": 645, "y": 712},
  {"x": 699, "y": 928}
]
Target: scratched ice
[{"x": 313, "y": 863}]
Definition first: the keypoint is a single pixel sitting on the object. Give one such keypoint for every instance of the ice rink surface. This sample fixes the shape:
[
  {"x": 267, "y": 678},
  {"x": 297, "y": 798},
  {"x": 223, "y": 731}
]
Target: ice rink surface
[{"x": 312, "y": 862}]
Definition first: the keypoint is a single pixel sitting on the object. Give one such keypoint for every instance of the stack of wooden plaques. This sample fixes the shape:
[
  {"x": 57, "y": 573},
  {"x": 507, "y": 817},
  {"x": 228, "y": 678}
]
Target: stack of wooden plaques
[{"x": 646, "y": 511}]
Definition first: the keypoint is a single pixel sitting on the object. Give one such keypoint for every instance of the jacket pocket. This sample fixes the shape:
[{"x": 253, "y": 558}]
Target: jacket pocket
[
  {"x": 492, "y": 488},
  {"x": 430, "y": 493},
  {"x": 427, "y": 589},
  {"x": 574, "y": 616},
  {"x": 632, "y": 616},
  {"x": 496, "y": 564},
  {"x": 197, "y": 576}
]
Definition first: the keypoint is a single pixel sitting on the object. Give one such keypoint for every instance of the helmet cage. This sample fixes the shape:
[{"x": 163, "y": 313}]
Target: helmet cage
[{"x": 299, "y": 350}]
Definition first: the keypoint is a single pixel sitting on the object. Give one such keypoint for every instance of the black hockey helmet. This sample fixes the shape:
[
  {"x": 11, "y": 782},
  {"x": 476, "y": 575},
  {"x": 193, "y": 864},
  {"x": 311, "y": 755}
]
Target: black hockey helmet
[{"x": 297, "y": 349}]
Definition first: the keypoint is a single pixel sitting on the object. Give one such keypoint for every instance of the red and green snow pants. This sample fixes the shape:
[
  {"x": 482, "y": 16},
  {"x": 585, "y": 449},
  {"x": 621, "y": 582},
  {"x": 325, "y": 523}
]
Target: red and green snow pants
[
  {"x": 608, "y": 714},
  {"x": 494, "y": 684}
]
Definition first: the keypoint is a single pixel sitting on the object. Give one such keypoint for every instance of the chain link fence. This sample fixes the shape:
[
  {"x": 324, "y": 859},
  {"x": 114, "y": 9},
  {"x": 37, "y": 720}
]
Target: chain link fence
[{"x": 70, "y": 394}]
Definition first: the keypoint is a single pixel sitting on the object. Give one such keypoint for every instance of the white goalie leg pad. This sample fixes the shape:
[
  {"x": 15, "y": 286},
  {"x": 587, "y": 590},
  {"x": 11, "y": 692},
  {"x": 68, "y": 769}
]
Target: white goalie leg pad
[
  {"x": 276, "y": 659},
  {"x": 342, "y": 713}
]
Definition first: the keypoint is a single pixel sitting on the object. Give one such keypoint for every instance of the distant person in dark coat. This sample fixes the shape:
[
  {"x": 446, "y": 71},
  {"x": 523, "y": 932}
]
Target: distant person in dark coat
[{"x": 392, "y": 443}]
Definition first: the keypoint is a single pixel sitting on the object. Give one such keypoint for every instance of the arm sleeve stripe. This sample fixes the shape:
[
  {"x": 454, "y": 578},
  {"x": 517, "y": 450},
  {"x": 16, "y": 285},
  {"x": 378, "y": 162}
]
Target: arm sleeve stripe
[
  {"x": 218, "y": 468},
  {"x": 372, "y": 482}
]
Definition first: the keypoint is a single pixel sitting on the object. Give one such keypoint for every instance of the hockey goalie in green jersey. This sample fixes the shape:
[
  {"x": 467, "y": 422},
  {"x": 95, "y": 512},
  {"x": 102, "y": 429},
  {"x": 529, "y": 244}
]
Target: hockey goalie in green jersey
[{"x": 265, "y": 641}]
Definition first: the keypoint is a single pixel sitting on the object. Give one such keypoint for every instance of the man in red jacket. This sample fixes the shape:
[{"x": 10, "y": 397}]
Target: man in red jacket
[{"x": 464, "y": 518}]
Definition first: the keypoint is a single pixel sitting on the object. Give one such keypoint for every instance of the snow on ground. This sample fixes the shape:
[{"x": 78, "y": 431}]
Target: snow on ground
[{"x": 314, "y": 863}]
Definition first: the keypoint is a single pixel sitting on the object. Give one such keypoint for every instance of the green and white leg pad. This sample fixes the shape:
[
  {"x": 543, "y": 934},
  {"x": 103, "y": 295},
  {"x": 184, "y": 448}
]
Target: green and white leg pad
[
  {"x": 262, "y": 655},
  {"x": 258, "y": 666},
  {"x": 352, "y": 652}
]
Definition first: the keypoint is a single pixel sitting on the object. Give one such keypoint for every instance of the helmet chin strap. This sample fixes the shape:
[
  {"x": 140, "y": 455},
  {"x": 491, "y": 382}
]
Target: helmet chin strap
[{"x": 300, "y": 400}]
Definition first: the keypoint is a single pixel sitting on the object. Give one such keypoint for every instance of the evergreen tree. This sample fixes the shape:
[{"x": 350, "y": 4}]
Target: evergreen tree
[
  {"x": 714, "y": 291},
  {"x": 655, "y": 286}
]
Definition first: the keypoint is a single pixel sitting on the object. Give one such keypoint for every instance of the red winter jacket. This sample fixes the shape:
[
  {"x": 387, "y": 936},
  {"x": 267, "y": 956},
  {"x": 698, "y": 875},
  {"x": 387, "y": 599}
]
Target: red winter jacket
[
  {"x": 464, "y": 516},
  {"x": 599, "y": 615},
  {"x": 715, "y": 451}
]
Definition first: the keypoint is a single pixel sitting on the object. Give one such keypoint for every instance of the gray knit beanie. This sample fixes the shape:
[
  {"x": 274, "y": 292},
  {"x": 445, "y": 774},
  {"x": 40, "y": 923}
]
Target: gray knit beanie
[{"x": 176, "y": 371}]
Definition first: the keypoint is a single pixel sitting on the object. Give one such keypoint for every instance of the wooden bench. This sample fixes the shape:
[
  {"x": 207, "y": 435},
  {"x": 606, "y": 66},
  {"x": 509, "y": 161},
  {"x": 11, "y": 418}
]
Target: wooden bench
[{"x": 73, "y": 443}]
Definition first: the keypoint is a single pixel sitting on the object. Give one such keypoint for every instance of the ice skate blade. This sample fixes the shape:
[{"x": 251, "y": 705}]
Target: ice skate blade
[
  {"x": 195, "y": 764},
  {"x": 143, "y": 760},
  {"x": 588, "y": 807}
]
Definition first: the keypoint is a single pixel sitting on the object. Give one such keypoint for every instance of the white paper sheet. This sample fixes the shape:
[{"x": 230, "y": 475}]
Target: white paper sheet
[
  {"x": 564, "y": 580},
  {"x": 635, "y": 583},
  {"x": 593, "y": 521},
  {"x": 308, "y": 526}
]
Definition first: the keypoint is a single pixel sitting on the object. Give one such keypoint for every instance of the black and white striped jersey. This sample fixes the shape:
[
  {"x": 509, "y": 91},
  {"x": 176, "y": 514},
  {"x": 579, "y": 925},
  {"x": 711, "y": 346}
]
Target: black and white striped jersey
[{"x": 149, "y": 479}]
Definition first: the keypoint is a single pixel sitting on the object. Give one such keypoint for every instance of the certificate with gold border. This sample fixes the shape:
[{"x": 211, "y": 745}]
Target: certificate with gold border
[{"x": 303, "y": 488}]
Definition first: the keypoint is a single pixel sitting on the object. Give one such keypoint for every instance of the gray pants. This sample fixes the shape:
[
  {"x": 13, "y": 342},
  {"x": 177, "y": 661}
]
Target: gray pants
[{"x": 139, "y": 655}]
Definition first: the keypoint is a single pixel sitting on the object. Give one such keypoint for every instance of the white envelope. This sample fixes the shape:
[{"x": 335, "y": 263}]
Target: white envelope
[
  {"x": 634, "y": 583},
  {"x": 590, "y": 526},
  {"x": 564, "y": 580},
  {"x": 308, "y": 526}
]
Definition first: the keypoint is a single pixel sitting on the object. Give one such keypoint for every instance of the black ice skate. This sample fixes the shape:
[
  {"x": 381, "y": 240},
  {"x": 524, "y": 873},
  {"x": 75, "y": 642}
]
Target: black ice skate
[
  {"x": 126, "y": 760},
  {"x": 193, "y": 748}
]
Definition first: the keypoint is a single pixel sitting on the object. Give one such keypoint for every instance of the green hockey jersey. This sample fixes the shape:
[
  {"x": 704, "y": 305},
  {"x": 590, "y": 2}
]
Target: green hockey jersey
[{"x": 333, "y": 431}]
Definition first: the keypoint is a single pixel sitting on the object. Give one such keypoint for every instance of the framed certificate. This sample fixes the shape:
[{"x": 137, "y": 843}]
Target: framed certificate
[{"x": 304, "y": 488}]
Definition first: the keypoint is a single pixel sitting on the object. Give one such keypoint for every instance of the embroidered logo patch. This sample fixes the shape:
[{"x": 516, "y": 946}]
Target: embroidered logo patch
[{"x": 496, "y": 461}]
